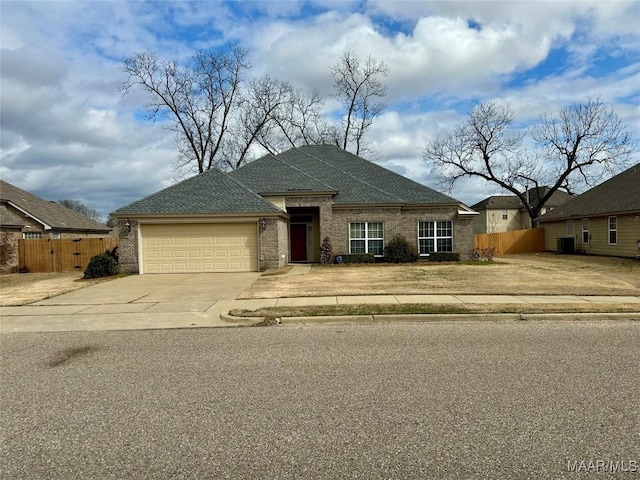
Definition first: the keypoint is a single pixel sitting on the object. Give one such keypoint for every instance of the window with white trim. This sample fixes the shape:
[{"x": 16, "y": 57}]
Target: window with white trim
[
  {"x": 505, "y": 214},
  {"x": 366, "y": 237},
  {"x": 436, "y": 236},
  {"x": 613, "y": 230},
  {"x": 32, "y": 235},
  {"x": 569, "y": 228},
  {"x": 585, "y": 230}
]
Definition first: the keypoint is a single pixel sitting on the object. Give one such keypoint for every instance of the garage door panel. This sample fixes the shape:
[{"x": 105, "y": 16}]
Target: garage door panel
[{"x": 199, "y": 248}]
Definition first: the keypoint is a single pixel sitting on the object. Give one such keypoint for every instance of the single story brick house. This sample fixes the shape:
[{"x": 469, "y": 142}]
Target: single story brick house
[
  {"x": 604, "y": 220},
  {"x": 26, "y": 216},
  {"x": 278, "y": 208}
]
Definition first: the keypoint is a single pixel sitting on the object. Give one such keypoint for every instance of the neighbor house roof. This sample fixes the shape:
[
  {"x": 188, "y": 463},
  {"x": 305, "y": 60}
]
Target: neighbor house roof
[
  {"x": 50, "y": 214},
  {"x": 498, "y": 202},
  {"x": 619, "y": 194},
  {"x": 511, "y": 202},
  {"x": 212, "y": 192},
  {"x": 329, "y": 168},
  {"x": 9, "y": 219}
]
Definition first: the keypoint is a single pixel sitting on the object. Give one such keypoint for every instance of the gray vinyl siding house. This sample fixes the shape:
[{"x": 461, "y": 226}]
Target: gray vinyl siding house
[
  {"x": 602, "y": 221},
  {"x": 278, "y": 209}
]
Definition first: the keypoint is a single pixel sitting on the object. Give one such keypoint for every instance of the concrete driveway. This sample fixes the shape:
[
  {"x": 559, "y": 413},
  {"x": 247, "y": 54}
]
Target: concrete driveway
[
  {"x": 205, "y": 288},
  {"x": 137, "y": 302}
]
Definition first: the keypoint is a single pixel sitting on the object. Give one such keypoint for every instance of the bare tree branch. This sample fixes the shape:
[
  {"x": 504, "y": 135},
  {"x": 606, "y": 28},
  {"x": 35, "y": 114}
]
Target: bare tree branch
[
  {"x": 358, "y": 87},
  {"x": 577, "y": 147}
]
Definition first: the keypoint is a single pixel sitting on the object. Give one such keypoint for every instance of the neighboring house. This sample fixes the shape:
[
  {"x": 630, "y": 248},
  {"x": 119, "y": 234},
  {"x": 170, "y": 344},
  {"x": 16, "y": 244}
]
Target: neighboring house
[
  {"x": 23, "y": 215},
  {"x": 505, "y": 213},
  {"x": 602, "y": 221},
  {"x": 278, "y": 209}
]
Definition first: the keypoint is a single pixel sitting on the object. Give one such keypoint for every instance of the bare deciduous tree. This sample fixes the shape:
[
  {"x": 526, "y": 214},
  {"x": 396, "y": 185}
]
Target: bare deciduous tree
[
  {"x": 359, "y": 88},
  {"x": 218, "y": 115},
  {"x": 200, "y": 98},
  {"x": 576, "y": 147},
  {"x": 80, "y": 207}
]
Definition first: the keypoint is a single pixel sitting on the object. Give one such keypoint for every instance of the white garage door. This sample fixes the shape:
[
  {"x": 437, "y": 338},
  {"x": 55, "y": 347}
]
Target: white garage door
[{"x": 212, "y": 247}]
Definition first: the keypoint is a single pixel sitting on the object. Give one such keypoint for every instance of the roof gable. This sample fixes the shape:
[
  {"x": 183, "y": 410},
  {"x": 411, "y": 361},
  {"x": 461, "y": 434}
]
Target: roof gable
[
  {"x": 50, "y": 214},
  {"x": 212, "y": 192},
  {"x": 498, "y": 202},
  {"x": 356, "y": 180},
  {"x": 619, "y": 194}
]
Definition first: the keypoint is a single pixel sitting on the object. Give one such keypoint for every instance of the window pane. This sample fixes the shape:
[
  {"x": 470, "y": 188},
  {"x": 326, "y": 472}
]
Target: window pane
[
  {"x": 357, "y": 246},
  {"x": 445, "y": 245},
  {"x": 426, "y": 246},
  {"x": 612, "y": 223},
  {"x": 375, "y": 230},
  {"x": 444, "y": 229},
  {"x": 356, "y": 230},
  {"x": 613, "y": 237},
  {"x": 425, "y": 229},
  {"x": 376, "y": 247}
]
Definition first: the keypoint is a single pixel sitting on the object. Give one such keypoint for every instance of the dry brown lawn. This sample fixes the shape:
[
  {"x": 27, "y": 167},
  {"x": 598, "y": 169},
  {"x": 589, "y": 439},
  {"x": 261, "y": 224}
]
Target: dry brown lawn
[
  {"x": 534, "y": 274},
  {"x": 25, "y": 288}
]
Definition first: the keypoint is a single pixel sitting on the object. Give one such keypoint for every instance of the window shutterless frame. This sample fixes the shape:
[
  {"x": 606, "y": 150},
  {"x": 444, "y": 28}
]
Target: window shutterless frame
[
  {"x": 435, "y": 236},
  {"x": 613, "y": 230},
  {"x": 366, "y": 237},
  {"x": 585, "y": 230}
]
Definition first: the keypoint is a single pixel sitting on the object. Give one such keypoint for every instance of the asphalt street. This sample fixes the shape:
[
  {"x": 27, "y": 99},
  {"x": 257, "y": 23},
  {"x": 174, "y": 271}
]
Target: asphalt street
[{"x": 522, "y": 400}]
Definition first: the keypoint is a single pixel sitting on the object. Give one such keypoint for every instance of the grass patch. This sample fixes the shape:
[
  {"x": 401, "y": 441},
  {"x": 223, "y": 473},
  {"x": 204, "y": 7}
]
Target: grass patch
[
  {"x": 277, "y": 271},
  {"x": 428, "y": 308}
]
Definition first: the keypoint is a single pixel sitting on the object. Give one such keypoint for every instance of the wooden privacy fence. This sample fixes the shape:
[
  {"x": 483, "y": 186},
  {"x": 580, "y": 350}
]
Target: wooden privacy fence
[
  {"x": 61, "y": 255},
  {"x": 518, "y": 241}
]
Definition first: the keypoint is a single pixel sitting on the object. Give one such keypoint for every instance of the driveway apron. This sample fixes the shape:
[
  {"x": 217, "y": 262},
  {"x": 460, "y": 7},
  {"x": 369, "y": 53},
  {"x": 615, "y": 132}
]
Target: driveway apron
[{"x": 134, "y": 302}]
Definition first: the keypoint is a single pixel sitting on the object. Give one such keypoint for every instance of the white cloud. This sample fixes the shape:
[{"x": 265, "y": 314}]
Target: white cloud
[{"x": 68, "y": 133}]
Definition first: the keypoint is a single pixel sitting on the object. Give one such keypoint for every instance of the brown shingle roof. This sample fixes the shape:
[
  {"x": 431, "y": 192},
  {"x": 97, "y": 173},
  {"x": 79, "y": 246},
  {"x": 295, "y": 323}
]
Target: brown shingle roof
[
  {"x": 50, "y": 213},
  {"x": 9, "y": 219},
  {"x": 619, "y": 194}
]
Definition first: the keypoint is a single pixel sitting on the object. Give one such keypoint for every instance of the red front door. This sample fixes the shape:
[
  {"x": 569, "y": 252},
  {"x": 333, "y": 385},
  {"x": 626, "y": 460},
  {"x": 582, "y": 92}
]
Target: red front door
[{"x": 298, "y": 242}]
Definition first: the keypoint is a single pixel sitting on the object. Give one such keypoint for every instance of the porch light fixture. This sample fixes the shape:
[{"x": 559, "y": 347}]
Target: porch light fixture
[
  {"x": 263, "y": 224},
  {"x": 128, "y": 226}
]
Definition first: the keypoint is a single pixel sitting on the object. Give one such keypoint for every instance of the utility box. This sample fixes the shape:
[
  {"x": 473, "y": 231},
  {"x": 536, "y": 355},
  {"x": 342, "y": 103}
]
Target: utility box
[{"x": 566, "y": 245}]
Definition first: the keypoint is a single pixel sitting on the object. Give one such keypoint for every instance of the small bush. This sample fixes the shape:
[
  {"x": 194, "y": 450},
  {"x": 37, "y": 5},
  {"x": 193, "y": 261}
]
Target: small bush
[
  {"x": 113, "y": 253},
  {"x": 356, "y": 258},
  {"x": 398, "y": 250},
  {"x": 102, "y": 265},
  {"x": 481, "y": 254},
  {"x": 444, "y": 257},
  {"x": 326, "y": 251}
]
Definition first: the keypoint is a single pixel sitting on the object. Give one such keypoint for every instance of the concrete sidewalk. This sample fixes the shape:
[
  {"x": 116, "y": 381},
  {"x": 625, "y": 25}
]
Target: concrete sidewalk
[{"x": 152, "y": 313}]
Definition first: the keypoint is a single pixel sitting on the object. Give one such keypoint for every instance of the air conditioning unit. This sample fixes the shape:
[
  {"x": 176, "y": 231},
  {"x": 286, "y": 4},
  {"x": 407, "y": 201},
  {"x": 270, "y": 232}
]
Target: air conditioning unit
[{"x": 566, "y": 245}]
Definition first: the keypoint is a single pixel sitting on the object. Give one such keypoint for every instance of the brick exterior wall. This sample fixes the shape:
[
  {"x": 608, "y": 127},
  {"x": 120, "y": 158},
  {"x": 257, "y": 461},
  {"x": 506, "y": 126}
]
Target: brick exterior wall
[
  {"x": 398, "y": 221},
  {"x": 333, "y": 222},
  {"x": 128, "y": 246},
  {"x": 273, "y": 243}
]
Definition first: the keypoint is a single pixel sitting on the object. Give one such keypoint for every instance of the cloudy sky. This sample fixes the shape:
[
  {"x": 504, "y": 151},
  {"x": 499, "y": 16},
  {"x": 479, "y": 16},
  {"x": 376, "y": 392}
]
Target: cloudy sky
[{"x": 68, "y": 133}]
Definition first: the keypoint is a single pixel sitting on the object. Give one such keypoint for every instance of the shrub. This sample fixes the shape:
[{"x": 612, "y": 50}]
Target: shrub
[
  {"x": 326, "y": 251},
  {"x": 102, "y": 265},
  {"x": 398, "y": 250},
  {"x": 8, "y": 251},
  {"x": 481, "y": 254},
  {"x": 444, "y": 257},
  {"x": 113, "y": 253},
  {"x": 356, "y": 258}
]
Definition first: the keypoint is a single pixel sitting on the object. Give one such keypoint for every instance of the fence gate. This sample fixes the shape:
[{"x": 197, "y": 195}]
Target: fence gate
[{"x": 61, "y": 255}]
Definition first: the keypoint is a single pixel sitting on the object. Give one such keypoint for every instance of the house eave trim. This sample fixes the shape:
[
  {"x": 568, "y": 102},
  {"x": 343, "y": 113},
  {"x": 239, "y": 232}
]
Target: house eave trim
[{"x": 44, "y": 224}]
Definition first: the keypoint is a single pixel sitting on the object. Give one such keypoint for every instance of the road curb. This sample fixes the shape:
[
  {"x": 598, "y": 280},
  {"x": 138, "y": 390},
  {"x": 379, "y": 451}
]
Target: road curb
[{"x": 436, "y": 318}]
